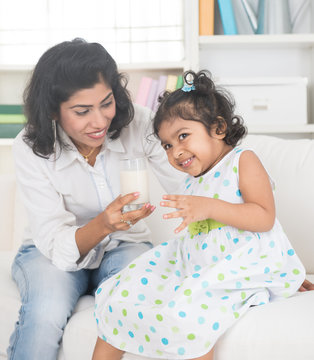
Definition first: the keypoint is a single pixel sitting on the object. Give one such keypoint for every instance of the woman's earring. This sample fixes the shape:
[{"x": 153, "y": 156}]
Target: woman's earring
[{"x": 54, "y": 131}]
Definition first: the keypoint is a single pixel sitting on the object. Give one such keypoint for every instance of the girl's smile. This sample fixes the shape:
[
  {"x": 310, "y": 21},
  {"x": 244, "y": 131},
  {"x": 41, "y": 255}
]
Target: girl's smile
[{"x": 189, "y": 147}]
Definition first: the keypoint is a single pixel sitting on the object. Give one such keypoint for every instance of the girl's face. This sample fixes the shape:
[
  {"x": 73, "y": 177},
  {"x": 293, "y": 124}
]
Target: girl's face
[
  {"x": 87, "y": 115},
  {"x": 189, "y": 147}
]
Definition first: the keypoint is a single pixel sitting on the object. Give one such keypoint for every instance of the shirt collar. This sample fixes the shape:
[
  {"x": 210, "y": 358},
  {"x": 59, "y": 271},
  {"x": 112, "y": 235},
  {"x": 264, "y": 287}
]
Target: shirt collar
[{"x": 70, "y": 153}]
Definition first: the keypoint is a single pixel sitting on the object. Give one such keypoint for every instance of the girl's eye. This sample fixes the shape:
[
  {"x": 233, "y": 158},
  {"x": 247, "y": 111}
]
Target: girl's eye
[
  {"x": 183, "y": 136},
  {"x": 107, "y": 104},
  {"x": 167, "y": 146}
]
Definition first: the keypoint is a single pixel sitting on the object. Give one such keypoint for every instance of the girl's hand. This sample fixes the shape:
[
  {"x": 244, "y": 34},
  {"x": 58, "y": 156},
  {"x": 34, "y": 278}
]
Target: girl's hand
[
  {"x": 114, "y": 217},
  {"x": 190, "y": 208},
  {"x": 306, "y": 286}
]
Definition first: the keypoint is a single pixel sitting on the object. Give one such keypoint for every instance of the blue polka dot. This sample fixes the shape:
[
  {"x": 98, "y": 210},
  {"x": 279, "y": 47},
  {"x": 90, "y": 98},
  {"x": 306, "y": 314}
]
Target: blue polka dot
[
  {"x": 217, "y": 174},
  {"x": 290, "y": 252},
  {"x": 209, "y": 294},
  {"x": 110, "y": 308},
  {"x": 164, "y": 244},
  {"x": 182, "y": 314},
  {"x": 152, "y": 329},
  {"x": 104, "y": 338},
  {"x": 196, "y": 275},
  {"x": 141, "y": 297},
  {"x": 235, "y": 240},
  {"x": 148, "y": 270},
  {"x": 238, "y": 192},
  {"x": 248, "y": 238},
  {"x": 181, "y": 351},
  {"x": 140, "y": 349},
  {"x": 140, "y": 315},
  {"x": 283, "y": 274},
  {"x": 171, "y": 304},
  {"x": 177, "y": 272},
  {"x": 176, "y": 287},
  {"x": 228, "y": 257},
  {"x": 225, "y": 297},
  {"x": 152, "y": 263},
  {"x": 204, "y": 284},
  {"x": 201, "y": 320},
  {"x": 99, "y": 290},
  {"x": 272, "y": 244},
  {"x": 197, "y": 267},
  {"x": 157, "y": 254},
  {"x": 250, "y": 250},
  {"x": 216, "y": 326},
  {"x": 204, "y": 246},
  {"x": 144, "y": 281},
  {"x": 266, "y": 270},
  {"x": 120, "y": 322},
  {"x": 118, "y": 282},
  {"x": 228, "y": 235},
  {"x": 215, "y": 258},
  {"x": 164, "y": 341},
  {"x": 238, "y": 285},
  {"x": 188, "y": 186},
  {"x": 131, "y": 334},
  {"x": 226, "y": 182}
]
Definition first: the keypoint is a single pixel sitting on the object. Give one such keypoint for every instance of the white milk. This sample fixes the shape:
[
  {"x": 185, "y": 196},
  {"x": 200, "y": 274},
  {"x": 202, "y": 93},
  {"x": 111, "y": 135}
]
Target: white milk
[{"x": 135, "y": 180}]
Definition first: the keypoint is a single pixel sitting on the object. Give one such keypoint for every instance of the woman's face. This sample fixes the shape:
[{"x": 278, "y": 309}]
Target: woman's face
[{"x": 87, "y": 115}]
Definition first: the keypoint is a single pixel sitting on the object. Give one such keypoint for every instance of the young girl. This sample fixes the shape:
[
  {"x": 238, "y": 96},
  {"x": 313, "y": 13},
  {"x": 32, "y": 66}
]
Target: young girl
[{"x": 177, "y": 299}]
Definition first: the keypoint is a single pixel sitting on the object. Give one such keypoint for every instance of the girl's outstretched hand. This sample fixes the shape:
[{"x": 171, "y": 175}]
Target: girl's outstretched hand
[
  {"x": 114, "y": 217},
  {"x": 190, "y": 208},
  {"x": 306, "y": 286}
]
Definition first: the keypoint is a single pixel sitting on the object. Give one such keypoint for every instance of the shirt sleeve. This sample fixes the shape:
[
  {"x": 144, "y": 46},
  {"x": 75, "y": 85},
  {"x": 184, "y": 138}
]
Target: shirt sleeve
[
  {"x": 52, "y": 228},
  {"x": 168, "y": 176}
]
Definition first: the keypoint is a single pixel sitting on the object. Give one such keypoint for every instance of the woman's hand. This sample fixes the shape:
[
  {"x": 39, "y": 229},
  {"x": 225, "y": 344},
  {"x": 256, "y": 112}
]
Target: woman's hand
[
  {"x": 306, "y": 286},
  {"x": 116, "y": 220},
  {"x": 190, "y": 208}
]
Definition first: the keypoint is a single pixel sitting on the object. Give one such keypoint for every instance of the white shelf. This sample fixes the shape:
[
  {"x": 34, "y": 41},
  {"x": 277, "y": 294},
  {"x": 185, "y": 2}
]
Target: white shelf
[
  {"x": 6, "y": 142},
  {"x": 281, "y": 128},
  {"x": 283, "y": 40}
]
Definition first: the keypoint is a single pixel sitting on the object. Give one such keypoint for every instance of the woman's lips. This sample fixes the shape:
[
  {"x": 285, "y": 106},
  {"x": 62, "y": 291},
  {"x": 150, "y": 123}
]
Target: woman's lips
[{"x": 97, "y": 134}]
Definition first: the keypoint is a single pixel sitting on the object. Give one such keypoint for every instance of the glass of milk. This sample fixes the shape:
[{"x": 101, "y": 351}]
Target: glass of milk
[{"x": 134, "y": 178}]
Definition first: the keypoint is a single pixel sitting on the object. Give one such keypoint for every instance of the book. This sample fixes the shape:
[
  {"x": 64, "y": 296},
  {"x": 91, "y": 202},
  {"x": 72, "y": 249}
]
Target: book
[
  {"x": 244, "y": 17},
  {"x": 171, "y": 82},
  {"x": 152, "y": 94},
  {"x": 161, "y": 86},
  {"x": 180, "y": 82},
  {"x": 11, "y": 109},
  {"x": 143, "y": 90},
  {"x": 11, "y": 124},
  {"x": 227, "y": 17},
  {"x": 206, "y": 17}
]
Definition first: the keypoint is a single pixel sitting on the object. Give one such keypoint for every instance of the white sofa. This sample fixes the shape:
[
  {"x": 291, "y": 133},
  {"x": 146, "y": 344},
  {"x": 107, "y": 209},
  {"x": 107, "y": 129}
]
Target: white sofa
[{"x": 282, "y": 330}]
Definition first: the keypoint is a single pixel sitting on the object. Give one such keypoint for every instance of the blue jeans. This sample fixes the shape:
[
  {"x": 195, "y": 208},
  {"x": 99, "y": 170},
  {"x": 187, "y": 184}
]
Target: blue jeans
[{"x": 49, "y": 295}]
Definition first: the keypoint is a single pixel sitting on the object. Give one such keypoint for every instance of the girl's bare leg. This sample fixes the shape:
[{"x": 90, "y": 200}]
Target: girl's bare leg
[
  {"x": 208, "y": 356},
  {"x": 104, "y": 351}
]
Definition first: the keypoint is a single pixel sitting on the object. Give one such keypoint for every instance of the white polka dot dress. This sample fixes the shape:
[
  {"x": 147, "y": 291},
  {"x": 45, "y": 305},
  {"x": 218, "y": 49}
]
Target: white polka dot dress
[{"x": 177, "y": 299}]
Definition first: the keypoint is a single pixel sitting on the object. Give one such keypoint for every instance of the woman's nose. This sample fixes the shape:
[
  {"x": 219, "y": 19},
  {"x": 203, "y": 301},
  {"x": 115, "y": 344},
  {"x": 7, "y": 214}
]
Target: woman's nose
[{"x": 99, "y": 119}]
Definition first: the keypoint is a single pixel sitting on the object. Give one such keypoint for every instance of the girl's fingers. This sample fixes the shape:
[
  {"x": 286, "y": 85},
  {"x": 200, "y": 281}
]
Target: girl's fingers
[
  {"x": 180, "y": 227},
  {"x": 171, "y": 204},
  {"x": 173, "y": 215}
]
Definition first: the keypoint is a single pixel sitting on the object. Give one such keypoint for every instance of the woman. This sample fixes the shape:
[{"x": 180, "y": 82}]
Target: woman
[{"x": 80, "y": 122}]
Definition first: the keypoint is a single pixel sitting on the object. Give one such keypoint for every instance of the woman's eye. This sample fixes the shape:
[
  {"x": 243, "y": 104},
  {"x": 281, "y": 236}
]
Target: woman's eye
[
  {"x": 107, "y": 104},
  {"x": 81, "y": 113}
]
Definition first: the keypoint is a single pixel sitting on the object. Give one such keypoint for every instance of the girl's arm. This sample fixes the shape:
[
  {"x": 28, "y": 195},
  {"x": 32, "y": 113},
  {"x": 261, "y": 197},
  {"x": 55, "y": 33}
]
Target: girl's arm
[{"x": 257, "y": 213}]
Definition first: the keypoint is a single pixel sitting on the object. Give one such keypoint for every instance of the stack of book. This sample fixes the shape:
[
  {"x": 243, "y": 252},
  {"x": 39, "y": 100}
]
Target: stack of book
[
  {"x": 150, "y": 89},
  {"x": 12, "y": 120}
]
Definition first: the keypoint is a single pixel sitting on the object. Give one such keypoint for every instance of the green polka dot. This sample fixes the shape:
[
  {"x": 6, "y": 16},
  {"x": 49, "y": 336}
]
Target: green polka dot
[
  {"x": 223, "y": 309},
  {"x": 172, "y": 262},
  {"x": 164, "y": 277},
  {"x": 125, "y": 293},
  {"x": 235, "y": 169},
  {"x": 206, "y": 187},
  {"x": 158, "y": 352},
  {"x": 279, "y": 265},
  {"x": 243, "y": 295},
  {"x": 216, "y": 196},
  {"x": 118, "y": 277},
  {"x": 204, "y": 306},
  {"x": 243, "y": 268},
  {"x": 136, "y": 326},
  {"x": 191, "y": 336},
  {"x": 189, "y": 300},
  {"x": 122, "y": 345},
  {"x": 132, "y": 266},
  {"x": 159, "y": 317},
  {"x": 175, "y": 329},
  {"x": 160, "y": 287},
  {"x": 187, "y": 292},
  {"x": 110, "y": 292},
  {"x": 115, "y": 331},
  {"x": 200, "y": 179},
  {"x": 247, "y": 278},
  {"x": 236, "y": 315},
  {"x": 128, "y": 278},
  {"x": 158, "y": 302},
  {"x": 147, "y": 338},
  {"x": 221, "y": 276},
  {"x": 222, "y": 248},
  {"x": 207, "y": 344},
  {"x": 263, "y": 256},
  {"x": 168, "y": 270},
  {"x": 124, "y": 312},
  {"x": 287, "y": 285},
  {"x": 296, "y": 271}
]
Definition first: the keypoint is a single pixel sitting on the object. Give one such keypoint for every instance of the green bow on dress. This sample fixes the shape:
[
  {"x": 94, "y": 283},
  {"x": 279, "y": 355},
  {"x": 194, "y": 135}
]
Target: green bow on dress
[{"x": 204, "y": 226}]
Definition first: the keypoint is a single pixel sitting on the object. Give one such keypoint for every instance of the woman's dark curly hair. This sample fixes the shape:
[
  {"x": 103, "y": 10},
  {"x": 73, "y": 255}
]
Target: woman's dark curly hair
[
  {"x": 206, "y": 103},
  {"x": 60, "y": 72}
]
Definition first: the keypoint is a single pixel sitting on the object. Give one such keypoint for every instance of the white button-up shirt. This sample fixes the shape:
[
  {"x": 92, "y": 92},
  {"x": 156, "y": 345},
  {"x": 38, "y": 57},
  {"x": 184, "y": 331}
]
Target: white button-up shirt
[{"x": 64, "y": 192}]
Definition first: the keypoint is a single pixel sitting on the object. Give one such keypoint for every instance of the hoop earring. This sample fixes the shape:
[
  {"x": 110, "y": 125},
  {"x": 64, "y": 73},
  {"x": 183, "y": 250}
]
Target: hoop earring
[{"x": 54, "y": 131}]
